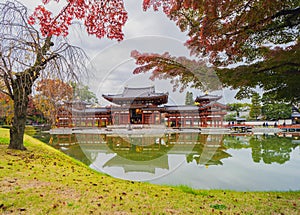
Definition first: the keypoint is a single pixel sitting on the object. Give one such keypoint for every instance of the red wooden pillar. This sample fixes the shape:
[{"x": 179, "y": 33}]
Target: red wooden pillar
[
  {"x": 128, "y": 118},
  {"x": 113, "y": 118},
  {"x": 153, "y": 117},
  {"x": 159, "y": 118}
]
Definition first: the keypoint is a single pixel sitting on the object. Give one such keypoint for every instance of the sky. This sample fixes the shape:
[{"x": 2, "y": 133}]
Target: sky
[{"x": 111, "y": 67}]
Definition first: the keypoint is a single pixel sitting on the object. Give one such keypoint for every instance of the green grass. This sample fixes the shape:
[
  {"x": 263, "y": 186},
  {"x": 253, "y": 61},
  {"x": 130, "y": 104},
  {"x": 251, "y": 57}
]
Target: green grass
[{"x": 43, "y": 180}]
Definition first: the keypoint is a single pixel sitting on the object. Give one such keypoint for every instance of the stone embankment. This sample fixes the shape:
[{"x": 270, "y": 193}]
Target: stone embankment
[{"x": 153, "y": 130}]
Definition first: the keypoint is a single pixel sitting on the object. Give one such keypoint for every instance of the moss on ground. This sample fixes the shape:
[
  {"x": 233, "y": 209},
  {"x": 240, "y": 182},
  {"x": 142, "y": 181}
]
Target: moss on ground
[{"x": 43, "y": 180}]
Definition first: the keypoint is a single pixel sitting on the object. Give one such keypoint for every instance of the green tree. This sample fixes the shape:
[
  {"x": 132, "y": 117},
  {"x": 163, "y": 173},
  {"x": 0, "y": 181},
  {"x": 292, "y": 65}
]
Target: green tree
[
  {"x": 83, "y": 93},
  {"x": 273, "y": 109},
  {"x": 279, "y": 75},
  {"x": 189, "y": 100},
  {"x": 237, "y": 107},
  {"x": 230, "y": 117},
  {"x": 255, "y": 109}
]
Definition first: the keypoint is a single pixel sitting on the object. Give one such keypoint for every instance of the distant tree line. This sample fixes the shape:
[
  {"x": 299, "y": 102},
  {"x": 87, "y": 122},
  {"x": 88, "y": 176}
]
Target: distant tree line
[{"x": 265, "y": 107}]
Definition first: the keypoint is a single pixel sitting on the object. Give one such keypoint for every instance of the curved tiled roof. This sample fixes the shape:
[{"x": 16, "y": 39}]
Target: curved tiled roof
[
  {"x": 179, "y": 108},
  {"x": 131, "y": 94},
  {"x": 208, "y": 97}
]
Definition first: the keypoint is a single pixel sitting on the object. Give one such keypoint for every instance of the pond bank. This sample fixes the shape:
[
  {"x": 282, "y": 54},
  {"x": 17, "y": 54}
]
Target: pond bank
[
  {"x": 43, "y": 180},
  {"x": 162, "y": 130}
]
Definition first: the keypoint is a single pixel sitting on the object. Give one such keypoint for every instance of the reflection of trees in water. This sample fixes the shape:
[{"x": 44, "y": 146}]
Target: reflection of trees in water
[
  {"x": 204, "y": 149},
  {"x": 269, "y": 149},
  {"x": 237, "y": 142}
]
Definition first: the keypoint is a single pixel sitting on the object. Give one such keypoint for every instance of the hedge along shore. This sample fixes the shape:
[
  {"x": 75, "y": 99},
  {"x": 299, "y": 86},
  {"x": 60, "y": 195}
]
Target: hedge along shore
[{"x": 43, "y": 180}]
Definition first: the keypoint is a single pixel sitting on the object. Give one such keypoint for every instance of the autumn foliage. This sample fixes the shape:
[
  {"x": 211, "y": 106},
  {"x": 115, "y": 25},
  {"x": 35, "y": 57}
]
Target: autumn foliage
[
  {"x": 6, "y": 108},
  {"x": 101, "y": 18},
  {"x": 181, "y": 72},
  {"x": 262, "y": 36},
  {"x": 230, "y": 30},
  {"x": 50, "y": 94}
]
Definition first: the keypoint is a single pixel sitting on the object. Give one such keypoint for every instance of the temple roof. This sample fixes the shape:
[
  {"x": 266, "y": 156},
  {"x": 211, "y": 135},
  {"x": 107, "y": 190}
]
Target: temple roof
[
  {"x": 213, "y": 104},
  {"x": 142, "y": 94},
  {"x": 207, "y": 97},
  {"x": 183, "y": 108},
  {"x": 91, "y": 110}
]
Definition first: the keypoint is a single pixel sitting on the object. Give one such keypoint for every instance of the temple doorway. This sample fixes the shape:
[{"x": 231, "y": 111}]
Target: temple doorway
[{"x": 136, "y": 116}]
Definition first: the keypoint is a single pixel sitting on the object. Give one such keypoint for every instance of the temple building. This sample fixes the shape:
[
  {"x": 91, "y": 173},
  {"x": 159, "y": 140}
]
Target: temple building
[
  {"x": 137, "y": 106},
  {"x": 144, "y": 106},
  {"x": 211, "y": 112}
]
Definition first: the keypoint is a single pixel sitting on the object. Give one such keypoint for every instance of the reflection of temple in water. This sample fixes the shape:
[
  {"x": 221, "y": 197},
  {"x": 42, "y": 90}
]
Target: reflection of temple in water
[
  {"x": 138, "y": 166},
  {"x": 210, "y": 151},
  {"x": 145, "y": 153},
  {"x": 207, "y": 149}
]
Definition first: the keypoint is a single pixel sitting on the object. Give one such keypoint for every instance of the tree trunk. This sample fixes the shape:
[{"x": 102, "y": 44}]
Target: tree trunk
[
  {"x": 17, "y": 130},
  {"x": 21, "y": 89}
]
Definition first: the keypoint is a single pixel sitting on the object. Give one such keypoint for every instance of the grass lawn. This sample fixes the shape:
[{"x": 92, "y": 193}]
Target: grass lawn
[{"x": 43, "y": 180}]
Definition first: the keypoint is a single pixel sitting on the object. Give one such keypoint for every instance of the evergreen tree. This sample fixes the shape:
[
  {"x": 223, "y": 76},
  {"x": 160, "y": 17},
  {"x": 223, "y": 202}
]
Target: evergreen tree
[
  {"x": 255, "y": 109},
  {"x": 189, "y": 100},
  {"x": 237, "y": 107},
  {"x": 273, "y": 109}
]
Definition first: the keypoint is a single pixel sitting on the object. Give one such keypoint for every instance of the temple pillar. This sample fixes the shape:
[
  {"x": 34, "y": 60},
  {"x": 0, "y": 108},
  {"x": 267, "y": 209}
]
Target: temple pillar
[
  {"x": 159, "y": 118},
  {"x": 153, "y": 117}
]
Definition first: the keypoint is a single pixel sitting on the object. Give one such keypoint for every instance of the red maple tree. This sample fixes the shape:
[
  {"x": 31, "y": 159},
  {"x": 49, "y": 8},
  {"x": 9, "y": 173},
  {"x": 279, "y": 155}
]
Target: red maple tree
[
  {"x": 27, "y": 54},
  {"x": 181, "y": 71},
  {"x": 238, "y": 29},
  {"x": 101, "y": 18},
  {"x": 261, "y": 35}
]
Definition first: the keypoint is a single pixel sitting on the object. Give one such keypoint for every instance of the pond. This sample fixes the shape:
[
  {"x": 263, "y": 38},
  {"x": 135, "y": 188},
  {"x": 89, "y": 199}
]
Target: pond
[{"x": 203, "y": 161}]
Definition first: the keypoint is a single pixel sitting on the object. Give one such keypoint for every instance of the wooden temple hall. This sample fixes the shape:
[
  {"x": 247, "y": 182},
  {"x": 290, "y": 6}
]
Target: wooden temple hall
[{"x": 143, "y": 106}]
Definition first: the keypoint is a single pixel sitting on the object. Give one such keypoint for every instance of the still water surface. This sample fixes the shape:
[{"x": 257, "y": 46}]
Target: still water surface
[{"x": 204, "y": 161}]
